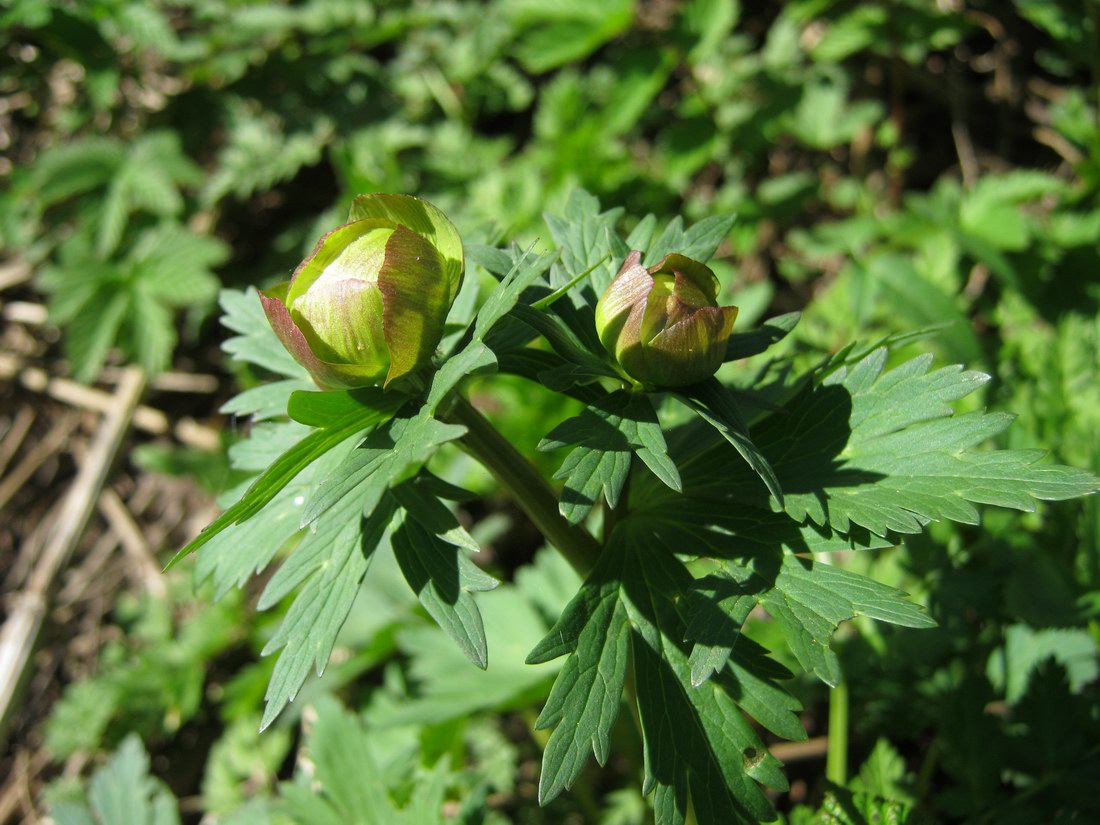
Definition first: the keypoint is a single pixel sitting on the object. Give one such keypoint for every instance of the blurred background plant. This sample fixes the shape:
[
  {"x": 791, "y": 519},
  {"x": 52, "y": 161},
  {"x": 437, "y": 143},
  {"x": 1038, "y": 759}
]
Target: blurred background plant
[{"x": 894, "y": 165}]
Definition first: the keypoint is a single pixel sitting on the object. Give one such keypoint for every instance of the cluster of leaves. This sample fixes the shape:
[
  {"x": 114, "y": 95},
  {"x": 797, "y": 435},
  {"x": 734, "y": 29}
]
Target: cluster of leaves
[
  {"x": 721, "y": 520},
  {"x": 905, "y": 163}
]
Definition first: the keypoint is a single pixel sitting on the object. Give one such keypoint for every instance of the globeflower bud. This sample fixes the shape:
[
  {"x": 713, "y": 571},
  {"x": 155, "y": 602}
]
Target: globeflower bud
[
  {"x": 663, "y": 324},
  {"x": 369, "y": 303}
]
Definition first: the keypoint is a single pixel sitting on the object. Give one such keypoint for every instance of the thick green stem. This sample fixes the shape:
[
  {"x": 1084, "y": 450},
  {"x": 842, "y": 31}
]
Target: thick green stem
[
  {"x": 532, "y": 492},
  {"x": 836, "y": 761}
]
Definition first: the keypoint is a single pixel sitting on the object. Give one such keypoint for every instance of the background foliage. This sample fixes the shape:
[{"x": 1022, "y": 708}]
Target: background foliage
[{"x": 892, "y": 165}]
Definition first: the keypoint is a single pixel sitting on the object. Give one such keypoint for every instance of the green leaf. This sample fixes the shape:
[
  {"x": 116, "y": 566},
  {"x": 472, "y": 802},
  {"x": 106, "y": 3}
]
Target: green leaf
[
  {"x": 584, "y": 236},
  {"x": 715, "y": 405},
  {"x": 695, "y": 738},
  {"x": 380, "y": 461},
  {"x": 265, "y": 401},
  {"x": 514, "y": 618},
  {"x": 607, "y": 434},
  {"x": 747, "y": 344},
  {"x": 476, "y": 357},
  {"x": 883, "y": 775},
  {"x": 810, "y": 599},
  {"x": 883, "y": 451},
  {"x": 290, "y": 464},
  {"x": 1011, "y": 667},
  {"x": 715, "y": 609},
  {"x": 707, "y": 23},
  {"x": 331, "y": 560},
  {"x": 566, "y": 342},
  {"x": 349, "y": 787},
  {"x": 427, "y": 549},
  {"x": 255, "y": 341},
  {"x": 122, "y": 792},
  {"x": 696, "y": 741},
  {"x": 584, "y": 701}
]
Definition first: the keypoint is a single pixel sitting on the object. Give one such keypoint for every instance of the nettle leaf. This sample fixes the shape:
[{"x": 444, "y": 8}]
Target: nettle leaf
[
  {"x": 607, "y": 434},
  {"x": 121, "y": 792},
  {"x": 696, "y": 738},
  {"x": 883, "y": 451},
  {"x": 349, "y": 786}
]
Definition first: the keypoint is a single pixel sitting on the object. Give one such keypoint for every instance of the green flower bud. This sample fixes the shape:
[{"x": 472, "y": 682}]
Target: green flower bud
[
  {"x": 663, "y": 324},
  {"x": 369, "y": 303}
]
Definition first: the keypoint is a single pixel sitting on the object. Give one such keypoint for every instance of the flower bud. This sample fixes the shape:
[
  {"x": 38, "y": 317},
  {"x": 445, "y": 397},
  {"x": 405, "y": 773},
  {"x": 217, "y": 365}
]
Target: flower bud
[
  {"x": 663, "y": 324},
  {"x": 369, "y": 303}
]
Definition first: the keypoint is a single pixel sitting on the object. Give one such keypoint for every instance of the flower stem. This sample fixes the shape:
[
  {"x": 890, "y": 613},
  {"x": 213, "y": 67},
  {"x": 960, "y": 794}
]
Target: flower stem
[
  {"x": 836, "y": 761},
  {"x": 531, "y": 490}
]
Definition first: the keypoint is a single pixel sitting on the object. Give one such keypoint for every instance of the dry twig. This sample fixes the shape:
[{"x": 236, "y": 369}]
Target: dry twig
[{"x": 20, "y": 631}]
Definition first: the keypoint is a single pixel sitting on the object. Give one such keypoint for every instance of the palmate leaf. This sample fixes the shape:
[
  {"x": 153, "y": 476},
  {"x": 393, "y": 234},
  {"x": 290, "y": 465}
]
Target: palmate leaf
[
  {"x": 883, "y": 451},
  {"x": 607, "y": 434},
  {"x": 584, "y": 701},
  {"x": 696, "y": 739},
  {"x": 809, "y": 599},
  {"x": 368, "y": 471}
]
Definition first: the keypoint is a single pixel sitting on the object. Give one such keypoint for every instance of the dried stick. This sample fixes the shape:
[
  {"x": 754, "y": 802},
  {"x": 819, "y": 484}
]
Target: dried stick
[
  {"x": 20, "y": 632},
  {"x": 20, "y": 426},
  {"x": 37, "y": 456},
  {"x": 148, "y": 419},
  {"x": 147, "y": 571}
]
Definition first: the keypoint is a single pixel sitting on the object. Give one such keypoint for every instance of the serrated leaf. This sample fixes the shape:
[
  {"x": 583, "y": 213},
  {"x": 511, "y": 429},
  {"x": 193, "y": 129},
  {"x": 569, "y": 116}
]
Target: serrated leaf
[
  {"x": 696, "y": 742},
  {"x": 715, "y": 405},
  {"x": 332, "y": 560},
  {"x": 883, "y": 451},
  {"x": 122, "y": 791},
  {"x": 514, "y": 618},
  {"x": 442, "y": 578},
  {"x": 695, "y": 738},
  {"x": 584, "y": 701},
  {"x": 290, "y": 464},
  {"x": 350, "y": 787},
  {"x": 810, "y": 599},
  {"x": 265, "y": 401},
  {"x": 747, "y": 344},
  {"x": 715, "y": 608},
  {"x": 407, "y": 440},
  {"x": 255, "y": 341},
  {"x": 607, "y": 434}
]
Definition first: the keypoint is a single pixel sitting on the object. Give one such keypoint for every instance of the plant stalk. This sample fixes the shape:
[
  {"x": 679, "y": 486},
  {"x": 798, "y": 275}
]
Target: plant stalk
[
  {"x": 836, "y": 760},
  {"x": 531, "y": 491}
]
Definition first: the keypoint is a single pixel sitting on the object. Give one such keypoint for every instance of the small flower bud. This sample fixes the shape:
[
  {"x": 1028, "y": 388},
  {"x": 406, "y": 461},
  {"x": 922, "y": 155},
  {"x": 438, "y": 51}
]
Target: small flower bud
[
  {"x": 662, "y": 324},
  {"x": 369, "y": 303}
]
